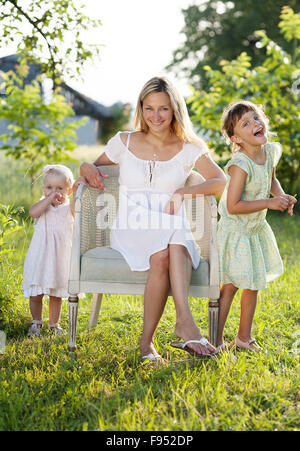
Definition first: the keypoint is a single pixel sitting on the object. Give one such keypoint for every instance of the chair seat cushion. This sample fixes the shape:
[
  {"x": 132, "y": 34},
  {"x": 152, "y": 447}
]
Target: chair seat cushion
[{"x": 104, "y": 264}]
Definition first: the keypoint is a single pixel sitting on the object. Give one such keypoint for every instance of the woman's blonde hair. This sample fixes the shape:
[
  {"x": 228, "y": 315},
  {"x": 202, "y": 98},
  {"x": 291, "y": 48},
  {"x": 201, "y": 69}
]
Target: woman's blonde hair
[
  {"x": 233, "y": 113},
  {"x": 59, "y": 169},
  {"x": 181, "y": 124}
]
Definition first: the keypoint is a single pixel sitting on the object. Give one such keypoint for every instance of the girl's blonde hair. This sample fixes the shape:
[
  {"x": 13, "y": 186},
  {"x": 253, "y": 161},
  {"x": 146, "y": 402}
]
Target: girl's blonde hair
[
  {"x": 59, "y": 169},
  {"x": 233, "y": 113},
  {"x": 181, "y": 124}
]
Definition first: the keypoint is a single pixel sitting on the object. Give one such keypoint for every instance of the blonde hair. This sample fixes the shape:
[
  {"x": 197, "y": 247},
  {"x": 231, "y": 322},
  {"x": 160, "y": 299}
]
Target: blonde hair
[
  {"x": 181, "y": 124},
  {"x": 59, "y": 169},
  {"x": 233, "y": 113}
]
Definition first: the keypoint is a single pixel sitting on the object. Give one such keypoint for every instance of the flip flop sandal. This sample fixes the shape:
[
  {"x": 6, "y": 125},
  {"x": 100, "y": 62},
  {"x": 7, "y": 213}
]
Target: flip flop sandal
[
  {"x": 250, "y": 344},
  {"x": 152, "y": 359},
  {"x": 183, "y": 346}
]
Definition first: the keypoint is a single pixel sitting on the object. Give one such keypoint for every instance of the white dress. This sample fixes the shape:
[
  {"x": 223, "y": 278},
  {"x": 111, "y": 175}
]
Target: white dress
[
  {"x": 47, "y": 263},
  {"x": 141, "y": 228}
]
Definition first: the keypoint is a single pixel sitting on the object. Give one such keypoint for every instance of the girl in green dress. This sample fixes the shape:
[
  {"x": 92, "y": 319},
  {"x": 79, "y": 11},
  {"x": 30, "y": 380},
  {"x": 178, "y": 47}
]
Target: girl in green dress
[{"x": 248, "y": 253}]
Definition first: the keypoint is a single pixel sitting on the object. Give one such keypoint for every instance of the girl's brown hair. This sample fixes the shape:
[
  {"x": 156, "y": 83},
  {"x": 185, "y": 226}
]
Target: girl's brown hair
[{"x": 233, "y": 113}]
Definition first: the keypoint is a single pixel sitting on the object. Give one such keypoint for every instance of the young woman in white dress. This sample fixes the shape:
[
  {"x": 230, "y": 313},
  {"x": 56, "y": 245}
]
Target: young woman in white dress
[{"x": 155, "y": 161}]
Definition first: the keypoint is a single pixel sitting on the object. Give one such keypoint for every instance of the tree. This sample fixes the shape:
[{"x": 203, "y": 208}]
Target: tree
[
  {"x": 275, "y": 84},
  {"x": 216, "y": 30},
  {"x": 49, "y": 33},
  {"x": 39, "y": 132}
]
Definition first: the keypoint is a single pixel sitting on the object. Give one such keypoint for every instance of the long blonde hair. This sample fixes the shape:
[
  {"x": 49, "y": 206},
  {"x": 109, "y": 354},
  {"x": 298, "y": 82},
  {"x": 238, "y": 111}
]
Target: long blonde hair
[{"x": 181, "y": 124}]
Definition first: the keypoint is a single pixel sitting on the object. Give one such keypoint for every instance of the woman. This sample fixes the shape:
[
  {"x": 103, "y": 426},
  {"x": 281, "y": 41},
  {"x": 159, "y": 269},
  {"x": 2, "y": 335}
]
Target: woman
[{"x": 155, "y": 161}]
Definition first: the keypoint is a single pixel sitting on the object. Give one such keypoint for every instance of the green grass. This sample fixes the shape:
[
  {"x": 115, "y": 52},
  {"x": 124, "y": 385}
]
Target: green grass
[{"x": 106, "y": 387}]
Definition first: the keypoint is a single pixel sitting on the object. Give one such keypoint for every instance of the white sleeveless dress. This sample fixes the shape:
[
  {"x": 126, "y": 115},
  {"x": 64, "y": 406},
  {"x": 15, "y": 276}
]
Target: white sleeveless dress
[
  {"x": 47, "y": 263},
  {"x": 141, "y": 228}
]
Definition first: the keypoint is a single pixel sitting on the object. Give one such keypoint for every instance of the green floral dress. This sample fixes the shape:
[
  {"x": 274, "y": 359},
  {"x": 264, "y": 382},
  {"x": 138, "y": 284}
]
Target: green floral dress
[{"x": 248, "y": 252}]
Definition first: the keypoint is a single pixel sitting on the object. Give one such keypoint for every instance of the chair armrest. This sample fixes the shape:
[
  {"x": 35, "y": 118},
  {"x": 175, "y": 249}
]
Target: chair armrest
[{"x": 75, "y": 254}]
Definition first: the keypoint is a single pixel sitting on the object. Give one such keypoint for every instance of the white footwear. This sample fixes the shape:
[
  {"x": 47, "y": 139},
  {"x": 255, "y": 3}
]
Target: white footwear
[
  {"x": 35, "y": 328},
  {"x": 56, "y": 329}
]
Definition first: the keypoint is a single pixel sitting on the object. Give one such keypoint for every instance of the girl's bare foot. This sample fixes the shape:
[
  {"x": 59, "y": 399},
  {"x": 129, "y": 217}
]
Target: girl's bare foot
[{"x": 147, "y": 348}]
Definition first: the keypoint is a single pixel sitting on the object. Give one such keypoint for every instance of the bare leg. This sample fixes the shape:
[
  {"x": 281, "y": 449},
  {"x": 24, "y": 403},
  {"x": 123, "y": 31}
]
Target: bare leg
[
  {"x": 54, "y": 309},
  {"x": 248, "y": 306},
  {"x": 155, "y": 297},
  {"x": 180, "y": 276},
  {"x": 228, "y": 292},
  {"x": 36, "y": 307}
]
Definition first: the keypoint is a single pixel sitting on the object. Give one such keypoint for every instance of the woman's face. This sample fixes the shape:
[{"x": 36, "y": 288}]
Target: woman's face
[{"x": 157, "y": 111}]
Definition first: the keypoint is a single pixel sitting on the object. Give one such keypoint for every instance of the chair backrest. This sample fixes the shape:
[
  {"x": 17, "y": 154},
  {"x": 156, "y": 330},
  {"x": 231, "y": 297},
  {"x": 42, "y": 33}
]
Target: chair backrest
[{"x": 99, "y": 208}]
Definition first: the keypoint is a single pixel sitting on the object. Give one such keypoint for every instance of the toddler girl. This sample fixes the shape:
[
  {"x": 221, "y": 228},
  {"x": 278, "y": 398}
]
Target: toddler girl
[
  {"x": 46, "y": 266},
  {"x": 248, "y": 253}
]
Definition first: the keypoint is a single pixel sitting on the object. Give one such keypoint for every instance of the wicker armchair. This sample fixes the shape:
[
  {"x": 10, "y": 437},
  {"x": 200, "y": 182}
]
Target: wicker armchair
[{"x": 96, "y": 268}]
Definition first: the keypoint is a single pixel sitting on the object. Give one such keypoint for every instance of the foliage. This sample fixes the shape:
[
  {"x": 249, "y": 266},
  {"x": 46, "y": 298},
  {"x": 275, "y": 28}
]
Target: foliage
[
  {"x": 39, "y": 131},
  {"x": 9, "y": 224},
  {"x": 216, "y": 30},
  {"x": 273, "y": 84},
  {"x": 119, "y": 121},
  {"x": 50, "y": 32}
]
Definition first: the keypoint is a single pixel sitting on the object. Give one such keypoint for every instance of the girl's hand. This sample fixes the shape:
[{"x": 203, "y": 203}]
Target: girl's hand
[
  {"x": 280, "y": 203},
  {"x": 174, "y": 203},
  {"x": 292, "y": 201}
]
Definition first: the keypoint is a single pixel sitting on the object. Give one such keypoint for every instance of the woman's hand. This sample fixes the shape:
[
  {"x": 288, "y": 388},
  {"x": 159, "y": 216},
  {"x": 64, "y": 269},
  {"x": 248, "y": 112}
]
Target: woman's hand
[
  {"x": 93, "y": 175},
  {"x": 174, "y": 203}
]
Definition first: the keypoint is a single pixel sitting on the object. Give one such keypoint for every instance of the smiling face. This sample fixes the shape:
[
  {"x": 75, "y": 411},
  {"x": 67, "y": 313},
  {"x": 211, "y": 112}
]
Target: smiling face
[
  {"x": 250, "y": 130},
  {"x": 56, "y": 183},
  {"x": 157, "y": 111}
]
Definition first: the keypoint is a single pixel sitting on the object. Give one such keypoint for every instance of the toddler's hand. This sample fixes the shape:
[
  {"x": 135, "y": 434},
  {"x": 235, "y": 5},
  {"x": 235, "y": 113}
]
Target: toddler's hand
[
  {"x": 56, "y": 199},
  {"x": 80, "y": 181}
]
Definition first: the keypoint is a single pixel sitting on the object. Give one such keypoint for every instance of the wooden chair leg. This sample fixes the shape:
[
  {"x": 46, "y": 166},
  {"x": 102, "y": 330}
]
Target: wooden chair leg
[
  {"x": 213, "y": 316},
  {"x": 73, "y": 311},
  {"x": 95, "y": 310}
]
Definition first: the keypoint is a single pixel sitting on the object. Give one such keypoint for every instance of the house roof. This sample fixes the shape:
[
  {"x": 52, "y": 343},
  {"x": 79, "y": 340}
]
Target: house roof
[{"x": 81, "y": 104}]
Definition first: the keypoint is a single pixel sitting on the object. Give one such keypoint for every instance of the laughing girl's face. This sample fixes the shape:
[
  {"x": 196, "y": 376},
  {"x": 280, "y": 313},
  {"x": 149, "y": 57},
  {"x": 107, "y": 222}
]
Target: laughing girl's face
[{"x": 250, "y": 130}]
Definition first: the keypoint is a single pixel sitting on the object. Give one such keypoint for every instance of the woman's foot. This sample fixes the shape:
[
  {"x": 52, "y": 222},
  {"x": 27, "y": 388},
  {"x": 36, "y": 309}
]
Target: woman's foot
[{"x": 188, "y": 331}]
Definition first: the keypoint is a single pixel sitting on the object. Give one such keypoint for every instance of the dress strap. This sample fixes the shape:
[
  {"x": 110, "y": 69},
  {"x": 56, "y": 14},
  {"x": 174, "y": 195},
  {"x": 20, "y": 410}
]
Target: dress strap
[{"x": 128, "y": 140}]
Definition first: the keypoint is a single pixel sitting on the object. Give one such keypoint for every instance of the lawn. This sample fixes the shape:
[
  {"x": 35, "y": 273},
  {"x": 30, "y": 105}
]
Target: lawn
[{"x": 106, "y": 387}]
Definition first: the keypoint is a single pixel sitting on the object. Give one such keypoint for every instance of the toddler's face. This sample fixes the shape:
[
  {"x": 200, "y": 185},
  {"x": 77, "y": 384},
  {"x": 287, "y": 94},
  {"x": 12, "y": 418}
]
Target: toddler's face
[
  {"x": 250, "y": 129},
  {"x": 55, "y": 183}
]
